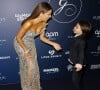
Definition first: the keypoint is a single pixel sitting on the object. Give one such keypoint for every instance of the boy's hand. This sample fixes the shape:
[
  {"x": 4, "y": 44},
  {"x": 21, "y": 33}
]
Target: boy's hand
[{"x": 78, "y": 67}]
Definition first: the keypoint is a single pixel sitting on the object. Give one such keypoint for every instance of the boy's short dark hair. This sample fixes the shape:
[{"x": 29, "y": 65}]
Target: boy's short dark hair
[{"x": 85, "y": 26}]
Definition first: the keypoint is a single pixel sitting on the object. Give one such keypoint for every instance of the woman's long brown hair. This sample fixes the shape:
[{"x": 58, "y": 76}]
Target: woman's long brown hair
[{"x": 41, "y": 7}]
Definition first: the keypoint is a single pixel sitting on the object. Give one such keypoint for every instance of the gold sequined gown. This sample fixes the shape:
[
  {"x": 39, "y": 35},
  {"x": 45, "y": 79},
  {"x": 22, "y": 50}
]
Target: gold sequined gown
[{"x": 29, "y": 69}]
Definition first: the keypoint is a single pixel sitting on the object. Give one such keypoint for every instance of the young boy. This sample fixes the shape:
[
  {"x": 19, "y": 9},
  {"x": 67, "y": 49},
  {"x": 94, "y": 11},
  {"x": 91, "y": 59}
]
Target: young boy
[{"x": 77, "y": 52}]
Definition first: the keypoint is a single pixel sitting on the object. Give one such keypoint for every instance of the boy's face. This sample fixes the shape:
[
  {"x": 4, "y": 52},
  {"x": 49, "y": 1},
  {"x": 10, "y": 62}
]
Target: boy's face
[{"x": 77, "y": 30}]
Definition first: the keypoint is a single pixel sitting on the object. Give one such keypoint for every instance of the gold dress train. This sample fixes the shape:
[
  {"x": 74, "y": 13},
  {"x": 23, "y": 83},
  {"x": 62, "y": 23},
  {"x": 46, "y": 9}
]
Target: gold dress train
[{"x": 29, "y": 69}]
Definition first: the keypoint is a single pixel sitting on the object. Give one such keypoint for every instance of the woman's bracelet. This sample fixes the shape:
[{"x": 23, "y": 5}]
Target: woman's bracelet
[{"x": 26, "y": 51}]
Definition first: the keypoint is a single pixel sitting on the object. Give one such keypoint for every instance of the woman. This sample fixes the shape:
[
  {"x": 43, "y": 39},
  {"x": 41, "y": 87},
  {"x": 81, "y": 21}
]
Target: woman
[{"x": 24, "y": 45}]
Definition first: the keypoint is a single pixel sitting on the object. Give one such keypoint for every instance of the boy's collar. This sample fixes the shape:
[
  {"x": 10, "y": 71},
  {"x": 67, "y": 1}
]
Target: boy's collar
[{"x": 77, "y": 35}]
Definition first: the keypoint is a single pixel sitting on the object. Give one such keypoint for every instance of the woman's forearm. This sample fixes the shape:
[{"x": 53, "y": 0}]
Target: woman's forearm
[
  {"x": 47, "y": 41},
  {"x": 19, "y": 40}
]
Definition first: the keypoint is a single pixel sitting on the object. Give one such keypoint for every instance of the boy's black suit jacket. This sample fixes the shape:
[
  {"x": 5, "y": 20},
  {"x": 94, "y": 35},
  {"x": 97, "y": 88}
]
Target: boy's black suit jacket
[{"x": 78, "y": 50}]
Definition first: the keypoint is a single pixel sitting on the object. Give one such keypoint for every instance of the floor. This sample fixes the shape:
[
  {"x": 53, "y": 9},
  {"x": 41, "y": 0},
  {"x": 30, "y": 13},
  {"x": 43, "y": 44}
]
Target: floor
[{"x": 92, "y": 83}]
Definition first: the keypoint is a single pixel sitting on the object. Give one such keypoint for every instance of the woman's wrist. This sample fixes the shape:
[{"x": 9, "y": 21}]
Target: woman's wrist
[{"x": 53, "y": 43}]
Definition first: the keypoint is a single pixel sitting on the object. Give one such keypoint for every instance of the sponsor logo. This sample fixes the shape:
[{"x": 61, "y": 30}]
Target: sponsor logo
[
  {"x": 51, "y": 55},
  {"x": 97, "y": 66},
  {"x": 70, "y": 37},
  {"x": 67, "y": 52},
  {"x": 97, "y": 33},
  {"x": 5, "y": 57},
  {"x": 97, "y": 52},
  {"x": 52, "y": 35},
  {"x": 69, "y": 67},
  {"x": 21, "y": 17},
  {"x": 2, "y": 77},
  {"x": 51, "y": 52},
  {"x": 2, "y": 19},
  {"x": 51, "y": 70},
  {"x": 2, "y": 42},
  {"x": 96, "y": 17},
  {"x": 66, "y": 11}
]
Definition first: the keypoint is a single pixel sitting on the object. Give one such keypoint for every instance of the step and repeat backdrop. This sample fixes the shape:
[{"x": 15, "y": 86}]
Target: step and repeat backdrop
[{"x": 52, "y": 64}]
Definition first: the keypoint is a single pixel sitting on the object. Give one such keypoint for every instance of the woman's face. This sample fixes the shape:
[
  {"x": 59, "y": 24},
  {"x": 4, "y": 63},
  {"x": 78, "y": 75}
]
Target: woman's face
[
  {"x": 77, "y": 29},
  {"x": 46, "y": 16}
]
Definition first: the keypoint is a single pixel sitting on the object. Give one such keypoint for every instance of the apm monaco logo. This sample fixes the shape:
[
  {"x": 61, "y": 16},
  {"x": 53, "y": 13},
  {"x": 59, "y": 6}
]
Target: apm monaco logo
[
  {"x": 52, "y": 35},
  {"x": 66, "y": 11}
]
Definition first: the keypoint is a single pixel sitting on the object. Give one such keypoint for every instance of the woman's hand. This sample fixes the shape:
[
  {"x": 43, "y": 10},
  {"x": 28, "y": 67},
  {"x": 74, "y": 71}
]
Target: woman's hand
[
  {"x": 28, "y": 55},
  {"x": 57, "y": 46}
]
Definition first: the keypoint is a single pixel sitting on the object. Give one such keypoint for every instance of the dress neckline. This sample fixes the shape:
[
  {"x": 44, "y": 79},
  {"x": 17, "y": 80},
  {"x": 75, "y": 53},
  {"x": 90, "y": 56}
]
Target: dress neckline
[{"x": 37, "y": 33}]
